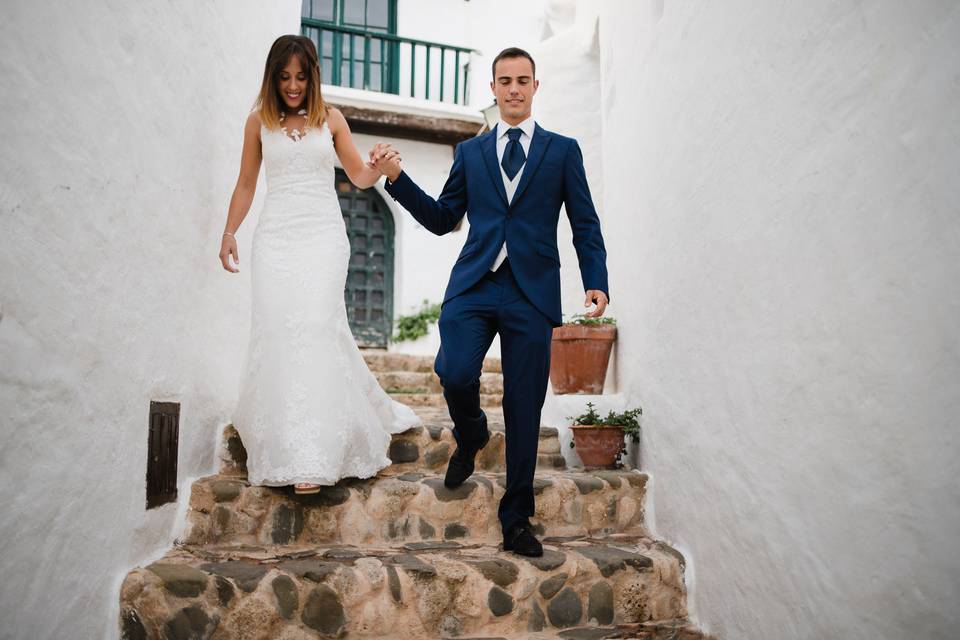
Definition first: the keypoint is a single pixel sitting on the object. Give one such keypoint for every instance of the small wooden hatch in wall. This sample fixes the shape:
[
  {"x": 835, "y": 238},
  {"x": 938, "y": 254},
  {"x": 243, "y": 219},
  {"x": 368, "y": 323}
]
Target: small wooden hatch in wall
[{"x": 162, "y": 453}]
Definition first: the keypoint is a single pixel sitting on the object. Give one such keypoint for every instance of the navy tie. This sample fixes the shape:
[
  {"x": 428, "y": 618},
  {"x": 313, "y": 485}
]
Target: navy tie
[{"x": 513, "y": 155}]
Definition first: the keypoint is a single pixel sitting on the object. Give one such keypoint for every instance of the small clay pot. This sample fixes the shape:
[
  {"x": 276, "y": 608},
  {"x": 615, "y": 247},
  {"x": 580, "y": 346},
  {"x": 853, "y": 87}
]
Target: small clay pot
[
  {"x": 598, "y": 445},
  {"x": 579, "y": 356}
]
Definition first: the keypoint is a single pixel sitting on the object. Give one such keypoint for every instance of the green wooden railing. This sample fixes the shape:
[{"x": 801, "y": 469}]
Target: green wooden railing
[{"x": 378, "y": 61}]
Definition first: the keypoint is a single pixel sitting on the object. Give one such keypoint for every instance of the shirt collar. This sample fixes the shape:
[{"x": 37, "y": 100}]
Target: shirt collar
[{"x": 527, "y": 126}]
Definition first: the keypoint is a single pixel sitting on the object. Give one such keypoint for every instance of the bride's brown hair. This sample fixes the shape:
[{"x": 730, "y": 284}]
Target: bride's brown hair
[{"x": 269, "y": 102}]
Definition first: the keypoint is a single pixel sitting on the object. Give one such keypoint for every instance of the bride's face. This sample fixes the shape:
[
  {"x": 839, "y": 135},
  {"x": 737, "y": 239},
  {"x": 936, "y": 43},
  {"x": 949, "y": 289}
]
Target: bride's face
[{"x": 292, "y": 84}]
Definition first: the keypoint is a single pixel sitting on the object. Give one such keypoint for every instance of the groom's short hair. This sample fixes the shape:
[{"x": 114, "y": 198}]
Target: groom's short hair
[{"x": 512, "y": 52}]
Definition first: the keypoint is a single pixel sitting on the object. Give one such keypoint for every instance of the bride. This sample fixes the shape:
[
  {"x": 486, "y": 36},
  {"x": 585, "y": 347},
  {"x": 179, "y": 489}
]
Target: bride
[{"x": 309, "y": 411}]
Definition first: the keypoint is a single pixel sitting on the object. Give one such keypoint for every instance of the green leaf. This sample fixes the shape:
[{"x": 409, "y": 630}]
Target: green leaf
[
  {"x": 581, "y": 319},
  {"x": 416, "y": 326}
]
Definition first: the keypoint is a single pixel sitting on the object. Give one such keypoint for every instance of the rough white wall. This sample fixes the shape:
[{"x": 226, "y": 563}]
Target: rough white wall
[
  {"x": 122, "y": 139},
  {"x": 781, "y": 190}
]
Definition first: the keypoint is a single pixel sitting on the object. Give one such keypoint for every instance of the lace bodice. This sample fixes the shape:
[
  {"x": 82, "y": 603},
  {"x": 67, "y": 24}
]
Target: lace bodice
[{"x": 304, "y": 166}]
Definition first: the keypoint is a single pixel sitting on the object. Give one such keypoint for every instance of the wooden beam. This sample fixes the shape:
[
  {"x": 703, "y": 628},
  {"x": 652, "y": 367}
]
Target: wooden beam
[{"x": 404, "y": 125}]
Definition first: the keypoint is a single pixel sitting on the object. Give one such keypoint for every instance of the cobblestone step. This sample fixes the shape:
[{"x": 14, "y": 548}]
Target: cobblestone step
[
  {"x": 383, "y": 361},
  {"x": 423, "y": 382},
  {"x": 659, "y": 630},
  {"x": 423, "y": 448},
  {"x": 405, "y": 591},
  {"x": 487, "y": 400},
  {"x": 409, "y": 507}
]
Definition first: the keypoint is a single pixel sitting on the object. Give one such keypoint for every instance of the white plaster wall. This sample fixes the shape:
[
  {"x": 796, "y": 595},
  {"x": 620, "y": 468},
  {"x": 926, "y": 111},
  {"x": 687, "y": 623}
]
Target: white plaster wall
[
  {"x": 781, "y": 195},
  {"x": 122, "y": 140}
]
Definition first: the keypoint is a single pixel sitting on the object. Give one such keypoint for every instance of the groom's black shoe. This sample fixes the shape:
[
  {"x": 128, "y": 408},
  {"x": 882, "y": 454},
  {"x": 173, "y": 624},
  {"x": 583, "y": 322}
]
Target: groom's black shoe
[
  {"x": 520, "y": 539},
  {"x": 461, "y": 464}
]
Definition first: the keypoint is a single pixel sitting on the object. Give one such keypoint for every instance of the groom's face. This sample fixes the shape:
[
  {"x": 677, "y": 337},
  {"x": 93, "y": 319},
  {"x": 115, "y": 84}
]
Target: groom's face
[{"x": 514, "y": 87}]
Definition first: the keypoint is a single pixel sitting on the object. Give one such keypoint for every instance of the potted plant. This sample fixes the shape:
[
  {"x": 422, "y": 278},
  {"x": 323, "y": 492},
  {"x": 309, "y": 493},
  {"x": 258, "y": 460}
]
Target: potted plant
[
  {"x": 601, "y": 441},
  {"x": 580, "y": 354}
]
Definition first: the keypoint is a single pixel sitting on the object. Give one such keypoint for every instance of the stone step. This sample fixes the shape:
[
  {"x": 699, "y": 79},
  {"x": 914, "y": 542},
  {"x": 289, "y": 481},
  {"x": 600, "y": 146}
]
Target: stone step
[
  {"x": 487, "y": 400},
  {"x": 427, "y": 447},
  {"x": 409, "y": 508},
  {"x": 409, "y": 591},
  {"x": 383, "y": 361},
  {"x": 680, "y": 629},
  {"x": 423, "y": 382}
]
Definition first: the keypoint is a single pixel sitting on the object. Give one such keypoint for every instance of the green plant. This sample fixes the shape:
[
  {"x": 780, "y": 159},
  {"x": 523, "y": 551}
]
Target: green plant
[
  {"x": 628, "y": 420},
  {"x": 415, "y": 326},
  {"x": 589, "y": 417},
  {"x": 581, "y": 319}
]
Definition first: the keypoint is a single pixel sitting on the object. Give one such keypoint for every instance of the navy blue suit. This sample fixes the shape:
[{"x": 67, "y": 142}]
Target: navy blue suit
[{"x": 521, "y": 300}]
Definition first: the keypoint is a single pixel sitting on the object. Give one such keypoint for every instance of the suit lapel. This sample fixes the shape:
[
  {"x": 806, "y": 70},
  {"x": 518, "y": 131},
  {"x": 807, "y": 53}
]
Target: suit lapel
[
  {"x": 488, "y": 147},
  {"x": 538, "y": 146}
]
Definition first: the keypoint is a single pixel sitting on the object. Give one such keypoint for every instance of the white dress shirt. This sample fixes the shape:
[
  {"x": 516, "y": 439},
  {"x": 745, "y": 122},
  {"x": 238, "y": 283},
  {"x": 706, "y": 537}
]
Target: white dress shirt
[{"x": 527, "y": 127}]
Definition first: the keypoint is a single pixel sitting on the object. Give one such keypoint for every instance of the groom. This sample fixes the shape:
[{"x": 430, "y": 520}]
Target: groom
[{"x": 506, "y": 281}]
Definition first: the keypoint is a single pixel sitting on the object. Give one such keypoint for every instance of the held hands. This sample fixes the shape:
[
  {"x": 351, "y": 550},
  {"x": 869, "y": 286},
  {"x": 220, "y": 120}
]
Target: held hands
[
  {"x": 386, "y": 160},
  {"x": 595, "y": 295}
]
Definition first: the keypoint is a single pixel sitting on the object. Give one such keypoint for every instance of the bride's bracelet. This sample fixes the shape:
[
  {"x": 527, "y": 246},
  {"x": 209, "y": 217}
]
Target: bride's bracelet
[{"x": 227, "y": 233}]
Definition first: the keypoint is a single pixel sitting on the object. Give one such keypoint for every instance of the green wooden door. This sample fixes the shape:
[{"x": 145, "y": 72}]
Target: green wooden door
[{"x": 369, "y": 290}]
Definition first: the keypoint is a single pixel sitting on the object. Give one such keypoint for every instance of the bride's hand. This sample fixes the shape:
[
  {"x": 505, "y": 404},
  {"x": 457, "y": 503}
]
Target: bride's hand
[
  {"x": 380, "y": 156},
  {"x": 228, "y": 248}
]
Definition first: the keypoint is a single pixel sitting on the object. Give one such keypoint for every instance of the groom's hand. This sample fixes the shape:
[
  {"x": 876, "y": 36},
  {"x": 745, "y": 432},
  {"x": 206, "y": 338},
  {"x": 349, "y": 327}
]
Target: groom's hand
[
  {"x": 375, "y": 153},
  {"x": 386, "y": 160},
  {"x": 598, "y": 297},
  {"x": 378, "y": 151}
]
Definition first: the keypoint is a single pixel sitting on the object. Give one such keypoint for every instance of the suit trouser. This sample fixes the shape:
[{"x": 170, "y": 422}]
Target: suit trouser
[{"x": 468, "y": 323}]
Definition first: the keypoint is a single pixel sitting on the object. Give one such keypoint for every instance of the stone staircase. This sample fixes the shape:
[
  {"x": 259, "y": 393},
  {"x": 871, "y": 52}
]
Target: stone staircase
[
  {"x": 399, "y": 555},
  {"x": 412, "y": 381}
]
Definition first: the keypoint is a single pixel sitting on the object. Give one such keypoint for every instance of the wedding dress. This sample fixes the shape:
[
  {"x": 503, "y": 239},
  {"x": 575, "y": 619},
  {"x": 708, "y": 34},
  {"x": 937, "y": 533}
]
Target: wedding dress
[{"x": 309, "y": 409}]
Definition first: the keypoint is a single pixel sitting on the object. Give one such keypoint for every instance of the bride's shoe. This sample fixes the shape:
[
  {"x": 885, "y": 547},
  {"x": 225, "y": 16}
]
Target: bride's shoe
[{"x": 306, "y": 487}]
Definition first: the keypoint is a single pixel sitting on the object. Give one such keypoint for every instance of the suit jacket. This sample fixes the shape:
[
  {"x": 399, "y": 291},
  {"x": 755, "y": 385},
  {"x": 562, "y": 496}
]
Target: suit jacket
[{"x": 553, "y": 176}]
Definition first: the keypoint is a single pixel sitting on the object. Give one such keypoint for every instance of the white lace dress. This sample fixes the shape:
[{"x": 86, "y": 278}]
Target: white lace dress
[{"x": 309, "y": 409}]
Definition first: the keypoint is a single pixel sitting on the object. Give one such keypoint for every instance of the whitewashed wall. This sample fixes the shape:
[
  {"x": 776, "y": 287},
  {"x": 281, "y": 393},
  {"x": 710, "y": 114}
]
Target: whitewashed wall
[
  {"x": 121, "y": 145},
  {"x": 782, "y": 199}
]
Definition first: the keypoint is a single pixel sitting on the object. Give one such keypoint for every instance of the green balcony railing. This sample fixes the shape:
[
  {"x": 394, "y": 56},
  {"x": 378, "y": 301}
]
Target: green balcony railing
[{"x": 388, "y": 63}]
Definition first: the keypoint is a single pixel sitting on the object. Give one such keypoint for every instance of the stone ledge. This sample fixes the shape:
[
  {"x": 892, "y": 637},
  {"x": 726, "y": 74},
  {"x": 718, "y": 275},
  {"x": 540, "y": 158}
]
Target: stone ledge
[
  {"x": 409, "y": 507},
  {"x": 426, "y": 447},
  {"x": 295, "y": 591}
]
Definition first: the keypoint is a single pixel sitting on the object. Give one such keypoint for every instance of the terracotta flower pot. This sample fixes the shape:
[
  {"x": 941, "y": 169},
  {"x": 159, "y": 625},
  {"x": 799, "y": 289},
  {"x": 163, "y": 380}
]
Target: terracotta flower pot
[
  {"x": 579, "y": 356},
  {"x": 598, "y": 445}
]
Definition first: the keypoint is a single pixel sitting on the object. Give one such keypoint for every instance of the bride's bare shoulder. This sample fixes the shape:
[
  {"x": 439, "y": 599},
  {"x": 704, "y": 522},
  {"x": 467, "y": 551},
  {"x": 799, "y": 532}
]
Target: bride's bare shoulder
[
  {"x": 253, "y": 124},
  {"x": 335, "y": 119},
  {"x": 253, "y": 120}
]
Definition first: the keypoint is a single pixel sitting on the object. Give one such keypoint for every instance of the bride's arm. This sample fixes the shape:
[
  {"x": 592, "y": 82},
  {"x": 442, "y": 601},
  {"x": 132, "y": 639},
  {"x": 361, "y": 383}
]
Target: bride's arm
[
  {"x": 361, "y": 174},
  {"x": 242, "y": 196}
]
